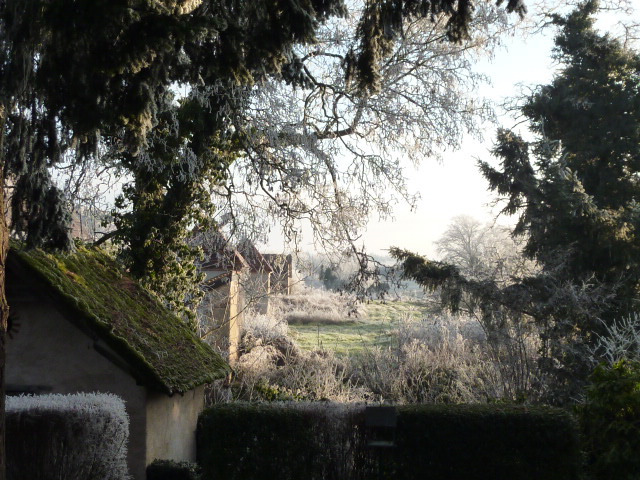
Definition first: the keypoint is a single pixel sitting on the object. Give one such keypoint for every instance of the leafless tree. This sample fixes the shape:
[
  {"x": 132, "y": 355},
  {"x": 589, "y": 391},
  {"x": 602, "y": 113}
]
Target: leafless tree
[
  {"x": 328, "y": 156},
  {"x": 483, "y": 251}
]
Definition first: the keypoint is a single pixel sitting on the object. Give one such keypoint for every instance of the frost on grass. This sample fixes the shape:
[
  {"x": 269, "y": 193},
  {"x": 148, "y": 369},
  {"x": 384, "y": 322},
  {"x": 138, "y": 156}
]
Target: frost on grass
[
  {"x": 316, "y": 306},
  {"x": 437, "y": 358},
  {"x": 76, "y": 437}
]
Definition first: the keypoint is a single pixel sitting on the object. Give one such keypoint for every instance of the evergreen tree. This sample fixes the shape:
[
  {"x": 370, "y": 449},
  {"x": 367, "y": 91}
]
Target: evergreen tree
[
  {"x": 575, "y": 190},
  {"x": 168, "y": 194}
]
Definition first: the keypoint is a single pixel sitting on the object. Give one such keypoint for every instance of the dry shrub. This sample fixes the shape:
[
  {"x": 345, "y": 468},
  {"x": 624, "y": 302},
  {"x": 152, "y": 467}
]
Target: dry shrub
[
  {"x": 279, "y": 370},
  {"x": 265, "y": 326},
  {"x": 315, "y": 306},
  {"x": 452, "y": 372},
  {"x": 440, "y": 359},
  {"x": 441, "y": 329}
]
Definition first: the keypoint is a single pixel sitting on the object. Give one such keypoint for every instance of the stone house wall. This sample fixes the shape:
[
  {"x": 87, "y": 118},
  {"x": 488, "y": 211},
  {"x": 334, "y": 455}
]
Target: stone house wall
[{"x": 50, "y": 353}]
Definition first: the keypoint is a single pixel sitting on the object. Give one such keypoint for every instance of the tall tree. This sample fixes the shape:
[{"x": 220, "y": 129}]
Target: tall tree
[
  {"x": 78, "y": 74},
  {"x": 314, "y": 149},
  {"x": 575, "y": 189},
  {"x": 330, "y": 154}
]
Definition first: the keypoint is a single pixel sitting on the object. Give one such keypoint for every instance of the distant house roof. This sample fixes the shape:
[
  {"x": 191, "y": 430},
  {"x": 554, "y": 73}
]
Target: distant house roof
[
  {"x": 161, "y": 350},
  {"x": 281, "y": 264},
  {"x": 219, "y": 255},
  {"x": 216, "y": 282},
  {"x": 254, "y": 258},
  {"x": 229, "y": 259}
]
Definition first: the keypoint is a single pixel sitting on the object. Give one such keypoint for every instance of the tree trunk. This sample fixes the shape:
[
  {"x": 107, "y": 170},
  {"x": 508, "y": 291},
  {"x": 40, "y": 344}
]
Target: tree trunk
[{"x": 4, "y": 308}]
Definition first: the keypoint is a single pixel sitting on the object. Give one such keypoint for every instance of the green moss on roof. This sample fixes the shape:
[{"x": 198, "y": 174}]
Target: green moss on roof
[{"x": 161, "y": 349}]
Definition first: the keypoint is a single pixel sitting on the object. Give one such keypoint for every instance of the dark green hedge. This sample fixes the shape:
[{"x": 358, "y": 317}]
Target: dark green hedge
[
  {"x": 171, "y": 470},
  {"x": 487, "y": 442},
  {"x": 610, "y": 420},
  {"x": 439, "y": 442}
]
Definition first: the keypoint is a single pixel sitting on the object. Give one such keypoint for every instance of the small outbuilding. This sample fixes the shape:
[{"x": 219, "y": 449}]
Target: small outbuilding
[
  {"x": 79, "y": 324},
  {"x": 282, "y": 268},
  {"x": 221, "y": 311}
]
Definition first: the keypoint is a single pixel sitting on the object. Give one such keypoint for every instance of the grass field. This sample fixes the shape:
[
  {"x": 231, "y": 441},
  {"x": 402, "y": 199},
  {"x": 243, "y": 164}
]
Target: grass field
[{"x": 372, "y": 327}]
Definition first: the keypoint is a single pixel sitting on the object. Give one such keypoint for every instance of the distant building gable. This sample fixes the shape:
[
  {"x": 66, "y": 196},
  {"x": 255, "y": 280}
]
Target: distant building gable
[
  {"x": 282, "y": 276},
  {"x": 257, "y": 262},
  {"x": 220, "y": 255}
]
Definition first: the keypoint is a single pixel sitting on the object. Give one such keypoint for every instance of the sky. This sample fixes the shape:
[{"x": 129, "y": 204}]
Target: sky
[{"x": 455, "y": 186}]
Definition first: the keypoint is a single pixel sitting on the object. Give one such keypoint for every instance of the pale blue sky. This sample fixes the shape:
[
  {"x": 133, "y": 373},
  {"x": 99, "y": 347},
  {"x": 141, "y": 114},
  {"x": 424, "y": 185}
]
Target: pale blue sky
[{"x": 455, "y": 186}]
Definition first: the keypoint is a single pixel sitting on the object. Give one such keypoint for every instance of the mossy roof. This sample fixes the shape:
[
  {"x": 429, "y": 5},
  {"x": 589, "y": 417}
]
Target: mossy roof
[{"x": 161, "y": 350}]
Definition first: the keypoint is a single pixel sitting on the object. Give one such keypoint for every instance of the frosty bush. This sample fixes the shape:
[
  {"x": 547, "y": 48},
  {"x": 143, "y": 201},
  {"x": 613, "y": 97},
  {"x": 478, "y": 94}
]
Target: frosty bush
[
  {"x": 279, "y": 370},
  {"x": 67, "y": 437},
  {"x": 441, "y": 358},
  {"x": 312, "y": 305},
  {"x": 441, "y": 329},
  {"x": 620, "y": 341},
  {"x": 266, "y": 327},
  {"x": 416, "y": 373}
]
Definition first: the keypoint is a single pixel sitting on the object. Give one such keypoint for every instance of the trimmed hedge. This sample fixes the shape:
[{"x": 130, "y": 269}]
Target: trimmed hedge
[
  {"x": 67, "y": 437},
  {"x": 265, "y": 441},
  {"x": 171, "y": 470},
  {"x": 487, "y": 442},
  {"x": 439, "y": 442}
]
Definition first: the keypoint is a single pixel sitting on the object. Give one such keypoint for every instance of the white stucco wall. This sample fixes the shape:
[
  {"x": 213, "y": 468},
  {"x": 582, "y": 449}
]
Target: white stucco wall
[
  {"x": 49, "y": 351},
  {"x": 171, "y": 425}
]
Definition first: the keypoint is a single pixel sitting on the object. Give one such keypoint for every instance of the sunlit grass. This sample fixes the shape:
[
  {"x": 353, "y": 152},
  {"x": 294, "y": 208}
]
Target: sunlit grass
[{"x": 373, "y": 327}]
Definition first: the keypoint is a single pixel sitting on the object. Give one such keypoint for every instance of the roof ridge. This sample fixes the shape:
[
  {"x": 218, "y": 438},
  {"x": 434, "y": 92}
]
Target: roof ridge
[{"x": 129, "y": 319}]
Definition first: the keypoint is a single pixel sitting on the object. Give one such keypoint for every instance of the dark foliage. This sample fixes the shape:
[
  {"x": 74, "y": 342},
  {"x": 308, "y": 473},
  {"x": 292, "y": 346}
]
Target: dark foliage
[
  {"x": 610, "y": 421},
  {"x": 442, "y": 442},
  {"x": 382, "y": 22},
  {"x": 574, "y": 190},
  {"x": 170, "y": 470}
]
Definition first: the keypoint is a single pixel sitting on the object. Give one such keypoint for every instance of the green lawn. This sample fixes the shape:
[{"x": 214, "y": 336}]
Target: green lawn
[{"x": 373, "y": 328}]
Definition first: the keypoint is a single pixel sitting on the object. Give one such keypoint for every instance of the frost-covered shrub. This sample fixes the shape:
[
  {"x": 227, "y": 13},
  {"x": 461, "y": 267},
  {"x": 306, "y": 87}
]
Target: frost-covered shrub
[
  {"x": 67, "y": 437},
  {"x": 440, "y": 358},
  {"x": 507, "y": 353},
  {"x": 281, "y": 371},
  {"x": 434, "y": 331},
  {"x": 417, "y": 373},
  {"x": 620, "y": 341},
  {"x": 315, "y": 306},
  {"x": 266, "y": 327}
]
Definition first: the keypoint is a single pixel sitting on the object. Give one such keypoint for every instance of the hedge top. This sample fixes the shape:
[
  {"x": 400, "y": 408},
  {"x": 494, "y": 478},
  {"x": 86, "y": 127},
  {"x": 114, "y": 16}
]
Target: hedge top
[{"x": 162, "y": 351}]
